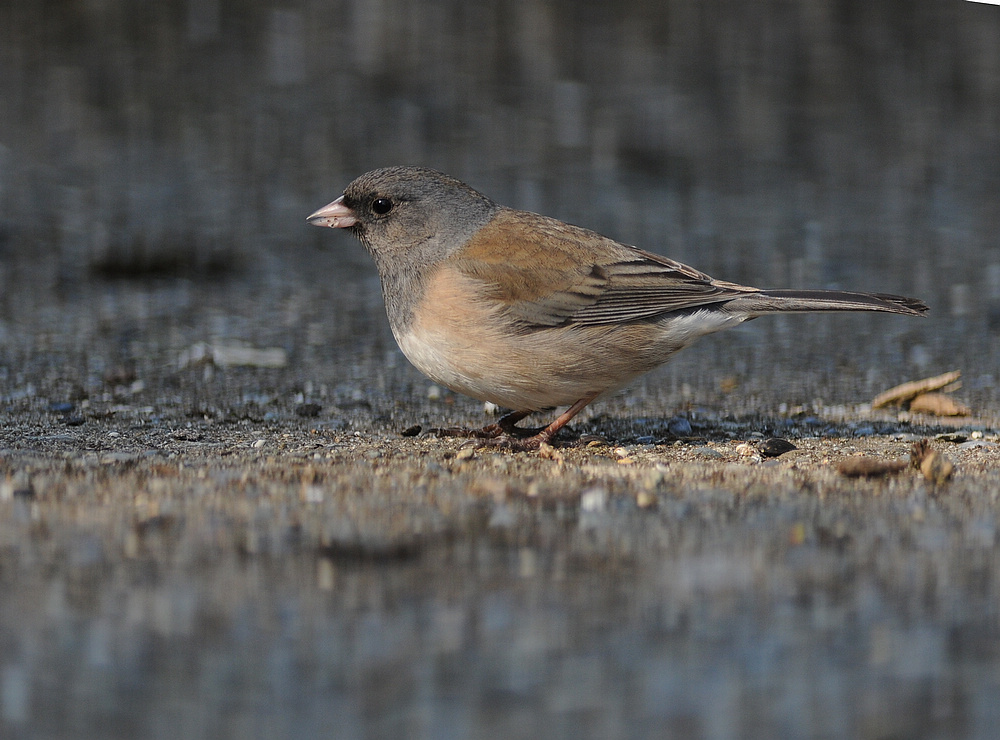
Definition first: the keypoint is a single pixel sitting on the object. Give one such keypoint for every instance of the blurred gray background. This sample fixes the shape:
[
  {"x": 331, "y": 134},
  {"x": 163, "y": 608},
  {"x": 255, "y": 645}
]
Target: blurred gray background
[
  {"x": 185, "y": 553},
  {"x": 812, "y": 143}
]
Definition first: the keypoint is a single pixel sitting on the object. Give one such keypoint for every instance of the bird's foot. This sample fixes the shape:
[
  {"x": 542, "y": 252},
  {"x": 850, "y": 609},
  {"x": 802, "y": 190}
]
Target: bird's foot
[
  {"x": 510, "y": 443},
  {"x": 484, "y": 433},
  {"x": 504, "y": 426},
  {"x": 488, "y": 432},
  {"x": 506, "y": 435}
]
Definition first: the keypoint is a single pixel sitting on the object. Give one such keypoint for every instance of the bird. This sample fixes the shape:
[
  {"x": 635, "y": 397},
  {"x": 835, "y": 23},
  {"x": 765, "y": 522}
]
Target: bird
[{"x": 530, "y": 313}]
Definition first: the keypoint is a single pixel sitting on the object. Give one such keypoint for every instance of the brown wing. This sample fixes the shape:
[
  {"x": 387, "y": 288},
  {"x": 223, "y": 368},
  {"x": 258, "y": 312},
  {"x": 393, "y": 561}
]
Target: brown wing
[{"x": 549, "y": 273}]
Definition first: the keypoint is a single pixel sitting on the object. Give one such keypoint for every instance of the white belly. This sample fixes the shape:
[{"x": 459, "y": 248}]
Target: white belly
[{"x": 550, "y": 367}]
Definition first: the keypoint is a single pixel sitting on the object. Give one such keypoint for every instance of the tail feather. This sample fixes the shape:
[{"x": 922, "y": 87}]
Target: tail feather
[{"x": 773, "y": 301}]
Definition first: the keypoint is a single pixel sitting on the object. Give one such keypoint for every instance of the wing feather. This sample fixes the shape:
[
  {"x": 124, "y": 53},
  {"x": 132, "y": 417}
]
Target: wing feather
[{"x": 547, "y": 273}]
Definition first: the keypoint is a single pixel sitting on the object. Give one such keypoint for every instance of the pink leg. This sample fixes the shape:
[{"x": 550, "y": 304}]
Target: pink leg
[
  {"x": 549, "y": 432},
  {"x": 504, "y": 425},
  {"x": 504, "y": 428}
]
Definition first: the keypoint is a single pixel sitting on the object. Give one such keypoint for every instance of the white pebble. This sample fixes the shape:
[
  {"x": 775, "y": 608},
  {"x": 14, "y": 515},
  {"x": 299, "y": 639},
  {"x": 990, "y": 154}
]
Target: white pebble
[
  {"x": 593, "y": 499},
  {"x": 312, "y": 494}
]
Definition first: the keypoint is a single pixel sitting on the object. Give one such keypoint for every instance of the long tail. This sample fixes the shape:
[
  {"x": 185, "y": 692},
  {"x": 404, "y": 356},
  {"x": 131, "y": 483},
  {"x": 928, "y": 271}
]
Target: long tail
[{"x": 773, "y": 301}]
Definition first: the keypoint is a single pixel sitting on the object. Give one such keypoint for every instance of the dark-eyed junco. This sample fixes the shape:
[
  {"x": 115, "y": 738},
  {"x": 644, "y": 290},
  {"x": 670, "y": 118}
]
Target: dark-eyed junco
[{"x": 529, "y": 312}]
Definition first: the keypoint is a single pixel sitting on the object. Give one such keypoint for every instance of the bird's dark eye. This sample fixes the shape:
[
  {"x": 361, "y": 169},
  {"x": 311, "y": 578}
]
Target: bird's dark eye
[{"x": 381, "y": 206}]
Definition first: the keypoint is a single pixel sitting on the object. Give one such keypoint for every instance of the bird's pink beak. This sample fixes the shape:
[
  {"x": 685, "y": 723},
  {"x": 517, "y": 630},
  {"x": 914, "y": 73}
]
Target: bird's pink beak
[{"x": 335, "y": 215}]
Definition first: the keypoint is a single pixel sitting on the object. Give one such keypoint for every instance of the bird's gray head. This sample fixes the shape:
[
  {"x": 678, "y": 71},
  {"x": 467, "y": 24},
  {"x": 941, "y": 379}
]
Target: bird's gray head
[{"x": 408, "y": 217}]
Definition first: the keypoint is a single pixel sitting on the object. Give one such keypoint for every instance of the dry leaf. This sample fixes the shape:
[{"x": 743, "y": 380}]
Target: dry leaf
[
  {"x": 899, "y": 395},
  {"x": 870, "y": 467},
  {"x": 938, "y": 404},
  {"x": 936, "y": 467}
]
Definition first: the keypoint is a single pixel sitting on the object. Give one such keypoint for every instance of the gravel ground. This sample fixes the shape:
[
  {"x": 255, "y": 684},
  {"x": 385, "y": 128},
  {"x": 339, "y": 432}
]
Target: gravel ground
[{"x": 199, "y": 550}]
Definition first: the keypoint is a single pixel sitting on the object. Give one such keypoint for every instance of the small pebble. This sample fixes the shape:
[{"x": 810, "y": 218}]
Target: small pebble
[
  {"x": 433, "y": 393},
  {"x": 548, "y": 452},
  {"x": 797, "y": 534},
  {"x": 644, "y": 499},
  {"x": 502, "y": 516},
  {"x": 259, "y": 443},
  {"x": 775, "y": 447},
  {"x": 709, "y": 453},
  {"x": 678, "y": 426},
  {"x": 956, "y": 437},
  {"x": 312, "y": 494},
  {"x": 973, "y": 444},
  {"x": 28, "y": 492},
  {"x": 593, "y": 499},
  {"x": 112, "y": 458},
  {"x": 465, "y": 453}
]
